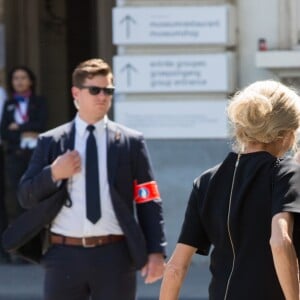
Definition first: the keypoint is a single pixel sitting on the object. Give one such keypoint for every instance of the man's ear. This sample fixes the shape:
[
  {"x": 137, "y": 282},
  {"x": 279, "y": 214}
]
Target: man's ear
[{"x": 75, "y": 91}]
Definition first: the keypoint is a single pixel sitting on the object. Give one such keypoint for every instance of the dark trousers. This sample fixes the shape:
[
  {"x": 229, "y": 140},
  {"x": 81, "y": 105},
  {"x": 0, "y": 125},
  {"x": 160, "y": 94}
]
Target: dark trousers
[{"x": 99, "y": 273}]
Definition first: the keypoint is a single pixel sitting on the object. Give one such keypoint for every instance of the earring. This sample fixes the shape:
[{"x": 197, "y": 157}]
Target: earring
[{"x": 75, "y": 101}]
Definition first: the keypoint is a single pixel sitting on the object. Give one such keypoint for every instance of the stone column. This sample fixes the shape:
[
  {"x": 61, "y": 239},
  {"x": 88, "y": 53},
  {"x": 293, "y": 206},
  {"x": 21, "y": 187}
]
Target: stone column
[
  {"x": 2, "y": 44},
  {"x": 106, "y": 50},
  {"x": 21, "y": 19}
]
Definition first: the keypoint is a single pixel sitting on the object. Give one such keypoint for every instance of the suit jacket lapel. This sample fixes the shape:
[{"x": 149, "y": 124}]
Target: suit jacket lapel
[
  {"x": 67, "y": 142},
  {"x": 68, "y": 139},
  {"x": 31, "y": 105},
  {"x": 113, "y": 145}
]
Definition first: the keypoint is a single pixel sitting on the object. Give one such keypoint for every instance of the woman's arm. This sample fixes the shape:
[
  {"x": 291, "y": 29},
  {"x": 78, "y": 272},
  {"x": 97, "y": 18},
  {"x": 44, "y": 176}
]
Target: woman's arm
[
  {"x": 284, "y": 255},
  {"x": 175, "y": 272}
]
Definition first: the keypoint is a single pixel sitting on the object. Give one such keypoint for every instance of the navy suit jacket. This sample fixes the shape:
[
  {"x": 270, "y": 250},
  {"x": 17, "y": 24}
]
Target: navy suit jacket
[{"x": 127, "y": 162}]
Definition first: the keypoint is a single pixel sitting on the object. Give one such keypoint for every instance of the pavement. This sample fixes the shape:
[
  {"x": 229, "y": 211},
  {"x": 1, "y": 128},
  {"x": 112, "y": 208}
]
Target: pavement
[{"x": 24, "y": 282}]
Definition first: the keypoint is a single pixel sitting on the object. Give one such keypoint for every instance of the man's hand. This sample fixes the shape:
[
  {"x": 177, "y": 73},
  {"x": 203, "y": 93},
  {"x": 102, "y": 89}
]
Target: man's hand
[
  {"x": 154, "y": 268},
  {"x": 66, "y": 165}
]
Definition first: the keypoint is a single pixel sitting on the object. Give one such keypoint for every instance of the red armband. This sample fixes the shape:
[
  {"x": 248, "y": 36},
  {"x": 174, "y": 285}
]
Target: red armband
[{"x": 145, "y": 192}]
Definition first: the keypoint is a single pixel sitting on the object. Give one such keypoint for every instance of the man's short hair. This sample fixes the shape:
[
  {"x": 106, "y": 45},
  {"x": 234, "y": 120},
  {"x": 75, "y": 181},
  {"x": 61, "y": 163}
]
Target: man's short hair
[{"x": 89, "y": 69}]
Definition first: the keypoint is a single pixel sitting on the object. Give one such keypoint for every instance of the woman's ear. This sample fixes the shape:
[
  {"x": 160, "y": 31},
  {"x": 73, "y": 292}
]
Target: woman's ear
[{"x": 288, "y": 140}]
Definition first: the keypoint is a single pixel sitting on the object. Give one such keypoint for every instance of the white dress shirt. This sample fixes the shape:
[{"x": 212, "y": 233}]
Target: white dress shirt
[
  {"x": 21, "y": 112},
  {"x": 21, "y": 115},
  {"x": 72, "y": 221}
]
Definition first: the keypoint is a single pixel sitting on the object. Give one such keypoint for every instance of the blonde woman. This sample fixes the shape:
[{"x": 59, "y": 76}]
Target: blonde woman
[{"x": 246, "y": 209}]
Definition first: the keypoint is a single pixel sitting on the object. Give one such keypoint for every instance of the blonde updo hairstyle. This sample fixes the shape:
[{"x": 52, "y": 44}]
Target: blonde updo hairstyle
[{"x": 264, "y": 112}]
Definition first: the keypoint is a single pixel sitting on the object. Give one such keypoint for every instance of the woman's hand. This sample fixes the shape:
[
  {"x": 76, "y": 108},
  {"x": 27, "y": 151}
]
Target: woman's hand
[
  {"x": 13, "y": 126},
  {"x": 175, "y": 272},
  {"x": 284, "y": 255}
]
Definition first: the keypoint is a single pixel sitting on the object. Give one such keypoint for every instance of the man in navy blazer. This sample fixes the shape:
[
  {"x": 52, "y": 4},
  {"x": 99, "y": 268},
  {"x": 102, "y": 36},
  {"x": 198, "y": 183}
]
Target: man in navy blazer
[{"x": 96, "y": 244}]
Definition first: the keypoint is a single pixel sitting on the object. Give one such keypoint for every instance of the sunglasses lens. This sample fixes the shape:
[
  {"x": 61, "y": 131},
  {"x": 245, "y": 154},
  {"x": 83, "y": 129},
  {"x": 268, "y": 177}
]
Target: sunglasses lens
[
  {"x": 108, "y": 91},
  {"x": 94, "y": 90}
]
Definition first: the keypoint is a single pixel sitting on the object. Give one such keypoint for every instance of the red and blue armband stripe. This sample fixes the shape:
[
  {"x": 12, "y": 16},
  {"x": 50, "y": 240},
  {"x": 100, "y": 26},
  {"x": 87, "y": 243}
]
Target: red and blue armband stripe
[{"x": 145, "y": 192}]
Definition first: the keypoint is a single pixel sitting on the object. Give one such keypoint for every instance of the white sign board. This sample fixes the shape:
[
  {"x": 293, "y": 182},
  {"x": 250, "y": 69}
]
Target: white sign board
[
  {"x": 174, "y": 119},
  {"x": 174, "y": 25},
  {"x": 174, "y": 73}
]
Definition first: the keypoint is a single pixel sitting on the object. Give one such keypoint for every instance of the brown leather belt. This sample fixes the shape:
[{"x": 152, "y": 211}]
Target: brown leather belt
[{"x": 87, "y": 242}]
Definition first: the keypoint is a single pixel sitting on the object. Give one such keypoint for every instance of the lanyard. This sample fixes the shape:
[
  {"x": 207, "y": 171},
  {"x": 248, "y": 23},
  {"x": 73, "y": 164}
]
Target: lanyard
[{"x": 24, "y": 116}]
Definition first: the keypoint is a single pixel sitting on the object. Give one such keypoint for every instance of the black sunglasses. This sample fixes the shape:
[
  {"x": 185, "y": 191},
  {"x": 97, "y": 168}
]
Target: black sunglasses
[{"x": 95, "y": 90}]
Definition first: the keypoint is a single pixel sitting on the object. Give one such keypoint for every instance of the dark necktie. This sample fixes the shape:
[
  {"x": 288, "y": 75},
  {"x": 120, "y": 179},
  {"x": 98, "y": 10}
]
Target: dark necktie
[{"x": 93, "y": 209}]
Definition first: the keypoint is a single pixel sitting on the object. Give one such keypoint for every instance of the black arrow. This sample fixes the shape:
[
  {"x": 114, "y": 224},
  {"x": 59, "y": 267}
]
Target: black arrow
[
  {"x": 128, "y": 20},
  {"x": 129, "y": 68}
]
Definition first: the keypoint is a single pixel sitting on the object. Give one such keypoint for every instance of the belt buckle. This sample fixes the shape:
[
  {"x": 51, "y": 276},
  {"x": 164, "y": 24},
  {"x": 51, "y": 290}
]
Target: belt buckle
[{"x": 85, "y": 245}]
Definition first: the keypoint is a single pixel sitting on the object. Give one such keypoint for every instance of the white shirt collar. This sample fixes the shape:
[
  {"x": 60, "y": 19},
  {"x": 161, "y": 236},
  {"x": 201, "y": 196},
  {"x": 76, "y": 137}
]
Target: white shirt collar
[{"x": 81, "y": 125}]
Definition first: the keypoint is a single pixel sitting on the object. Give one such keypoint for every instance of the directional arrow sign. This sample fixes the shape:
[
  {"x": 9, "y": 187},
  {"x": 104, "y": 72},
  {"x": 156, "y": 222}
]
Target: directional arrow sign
[
  {"x": 213, "y": 25},
  {"x": 128, "y": 68},
  {"x": 175, "y": 73},
  {"x": 128, "y": 20}
]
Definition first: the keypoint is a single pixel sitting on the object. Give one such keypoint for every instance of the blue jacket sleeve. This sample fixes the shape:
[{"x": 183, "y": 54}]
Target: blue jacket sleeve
[{"x": 149, "y": 213}]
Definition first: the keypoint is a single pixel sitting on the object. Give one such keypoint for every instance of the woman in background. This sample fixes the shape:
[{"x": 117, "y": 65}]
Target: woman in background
[
  {"x": 24, "y": 116},
  {"x": 247, "y": 207}
]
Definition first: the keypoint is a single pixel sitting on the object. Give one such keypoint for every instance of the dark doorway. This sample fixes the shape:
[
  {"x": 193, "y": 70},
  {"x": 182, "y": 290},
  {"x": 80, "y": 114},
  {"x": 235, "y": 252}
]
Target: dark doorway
[
  {"x": 81, "y": 17},
  {"x": 52, "y": 37}
]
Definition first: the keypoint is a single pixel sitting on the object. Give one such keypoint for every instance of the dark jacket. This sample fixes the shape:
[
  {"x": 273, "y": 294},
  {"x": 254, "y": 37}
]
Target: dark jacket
[
  {"x": 127, "y": 161},
  {"x": 37, "y": 118}
]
